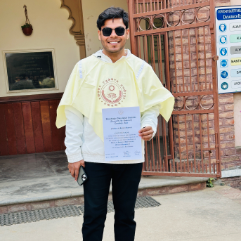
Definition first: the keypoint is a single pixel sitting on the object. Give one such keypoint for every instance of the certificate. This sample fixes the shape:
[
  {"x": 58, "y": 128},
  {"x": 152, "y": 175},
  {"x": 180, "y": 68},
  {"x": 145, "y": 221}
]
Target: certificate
[{"x": 121, "y": 137}]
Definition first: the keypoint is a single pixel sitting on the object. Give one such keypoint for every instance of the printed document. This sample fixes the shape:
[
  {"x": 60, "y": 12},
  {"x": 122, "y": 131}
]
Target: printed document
[{"x": 121, "y": 137}]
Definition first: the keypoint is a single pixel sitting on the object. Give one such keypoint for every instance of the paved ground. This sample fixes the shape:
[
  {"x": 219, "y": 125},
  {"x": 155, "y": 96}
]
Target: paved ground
[
  {"x": 45, "y": 176},
  {"x": 208, "y": 215}
]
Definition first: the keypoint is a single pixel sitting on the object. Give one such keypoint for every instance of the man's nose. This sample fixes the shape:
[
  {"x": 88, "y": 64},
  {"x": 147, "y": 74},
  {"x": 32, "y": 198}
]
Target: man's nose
[{"x": 113, "y": 34}]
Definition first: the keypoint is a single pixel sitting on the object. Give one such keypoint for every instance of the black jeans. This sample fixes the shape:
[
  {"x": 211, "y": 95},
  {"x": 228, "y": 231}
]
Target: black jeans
[{"x": 125, "y": 180}]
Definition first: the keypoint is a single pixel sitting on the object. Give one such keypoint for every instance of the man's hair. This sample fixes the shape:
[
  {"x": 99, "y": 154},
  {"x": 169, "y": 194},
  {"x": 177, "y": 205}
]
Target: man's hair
[{"x": 111, "y": 13}]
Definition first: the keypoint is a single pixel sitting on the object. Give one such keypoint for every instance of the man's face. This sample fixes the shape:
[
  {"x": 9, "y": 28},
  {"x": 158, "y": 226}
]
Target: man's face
[{"x": 113, "y": 43}]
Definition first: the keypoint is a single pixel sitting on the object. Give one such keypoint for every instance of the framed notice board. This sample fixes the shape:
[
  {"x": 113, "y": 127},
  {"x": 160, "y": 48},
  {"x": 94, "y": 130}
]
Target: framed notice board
[
  {"x": 228, "y": 40},
  {"x": 30, "y": 70}
]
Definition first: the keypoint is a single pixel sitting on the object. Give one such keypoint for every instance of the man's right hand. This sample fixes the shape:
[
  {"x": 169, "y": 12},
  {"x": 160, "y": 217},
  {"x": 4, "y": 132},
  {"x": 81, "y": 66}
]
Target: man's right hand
[{"x": 74, "y": 168}]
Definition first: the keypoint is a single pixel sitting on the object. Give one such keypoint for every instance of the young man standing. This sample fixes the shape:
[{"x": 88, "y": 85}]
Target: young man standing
[{"x": 112, "y": 77}]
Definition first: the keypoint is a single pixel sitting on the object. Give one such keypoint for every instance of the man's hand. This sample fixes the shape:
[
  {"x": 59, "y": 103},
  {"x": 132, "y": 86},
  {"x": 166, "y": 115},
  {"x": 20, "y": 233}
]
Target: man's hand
[
  {"x": 74, "y": 168},
  {"x": 146, "y": 133}
]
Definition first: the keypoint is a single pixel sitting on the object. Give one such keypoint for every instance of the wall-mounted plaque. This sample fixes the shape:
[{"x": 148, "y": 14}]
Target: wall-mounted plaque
[{"x": 30, "y": 70}]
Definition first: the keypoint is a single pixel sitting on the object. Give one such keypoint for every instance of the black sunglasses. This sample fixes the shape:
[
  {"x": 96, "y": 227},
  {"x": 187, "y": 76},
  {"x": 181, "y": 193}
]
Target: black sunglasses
[{"x": 108, "y": 31}]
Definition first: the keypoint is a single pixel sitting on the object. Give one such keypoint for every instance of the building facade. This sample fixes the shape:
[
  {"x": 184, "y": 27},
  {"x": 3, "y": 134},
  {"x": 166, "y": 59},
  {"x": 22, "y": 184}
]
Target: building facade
[{"x": 64, "y": 31}]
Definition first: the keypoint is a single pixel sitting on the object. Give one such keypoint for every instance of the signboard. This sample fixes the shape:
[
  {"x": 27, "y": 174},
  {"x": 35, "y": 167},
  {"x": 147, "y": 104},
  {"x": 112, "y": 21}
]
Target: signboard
[
  {"x": 30, "y": 70},
  {"x": 228, "y": 39}
]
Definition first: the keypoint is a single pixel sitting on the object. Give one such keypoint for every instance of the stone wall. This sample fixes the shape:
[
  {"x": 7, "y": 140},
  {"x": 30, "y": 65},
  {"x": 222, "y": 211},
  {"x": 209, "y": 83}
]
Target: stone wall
[{"x": 229, "y": 155}]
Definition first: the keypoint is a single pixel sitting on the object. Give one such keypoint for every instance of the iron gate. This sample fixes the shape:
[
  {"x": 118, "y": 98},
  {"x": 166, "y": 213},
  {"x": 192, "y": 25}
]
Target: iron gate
[{"x": 177, "y": 38}]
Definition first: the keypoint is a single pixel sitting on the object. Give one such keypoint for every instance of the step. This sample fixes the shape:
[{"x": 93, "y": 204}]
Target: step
[{"x": 60, "y": 190}]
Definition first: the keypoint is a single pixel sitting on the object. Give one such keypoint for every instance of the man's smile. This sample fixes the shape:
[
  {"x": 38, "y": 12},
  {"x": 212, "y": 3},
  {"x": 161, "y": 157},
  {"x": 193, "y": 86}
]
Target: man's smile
[{"x": 113, "y": 42}]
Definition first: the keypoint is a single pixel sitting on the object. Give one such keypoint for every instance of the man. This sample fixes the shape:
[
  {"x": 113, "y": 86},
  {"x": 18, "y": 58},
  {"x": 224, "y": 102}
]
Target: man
[{"x": 112, "y": 77}]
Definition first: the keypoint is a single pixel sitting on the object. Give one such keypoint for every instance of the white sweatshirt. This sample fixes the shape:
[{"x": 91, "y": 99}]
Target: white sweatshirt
[{"x": 81, "y": 141}]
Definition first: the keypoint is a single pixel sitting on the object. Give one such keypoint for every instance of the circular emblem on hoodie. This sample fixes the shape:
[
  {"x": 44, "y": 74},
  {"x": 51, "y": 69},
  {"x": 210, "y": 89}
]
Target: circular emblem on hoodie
[{"x": 111, "y": 92}]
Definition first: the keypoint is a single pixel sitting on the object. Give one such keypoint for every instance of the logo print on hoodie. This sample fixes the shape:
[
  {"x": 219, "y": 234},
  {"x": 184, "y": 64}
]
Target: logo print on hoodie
[{"x": 111, "y": 93}]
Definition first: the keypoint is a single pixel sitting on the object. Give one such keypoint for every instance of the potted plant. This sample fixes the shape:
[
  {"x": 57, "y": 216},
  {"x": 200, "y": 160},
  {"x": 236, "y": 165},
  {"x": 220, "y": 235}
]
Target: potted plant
[{"x": 27, "y": 29}]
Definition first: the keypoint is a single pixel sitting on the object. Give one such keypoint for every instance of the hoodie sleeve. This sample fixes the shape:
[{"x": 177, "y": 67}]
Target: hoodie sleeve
[
  {"x": 149, "y": 118},
  {"x": 70, "y": 93},
  {"x": 73, "y": 134}
]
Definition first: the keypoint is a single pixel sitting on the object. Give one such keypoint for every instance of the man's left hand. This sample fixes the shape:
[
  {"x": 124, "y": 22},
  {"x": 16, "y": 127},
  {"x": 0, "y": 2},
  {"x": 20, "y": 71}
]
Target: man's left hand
[{"x": 146, "y": 133}]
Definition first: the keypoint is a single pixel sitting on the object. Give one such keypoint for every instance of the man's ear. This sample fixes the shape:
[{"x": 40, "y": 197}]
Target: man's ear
[
  {"x": 99, "y": 34},
  {"x": 128, "y": 33}
]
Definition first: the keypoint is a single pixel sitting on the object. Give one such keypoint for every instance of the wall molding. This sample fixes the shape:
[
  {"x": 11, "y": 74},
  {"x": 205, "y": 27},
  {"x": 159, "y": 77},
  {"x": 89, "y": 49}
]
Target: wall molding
[
  {"x": 53, "y": 96},
  {"x": 74, "y": 7}
]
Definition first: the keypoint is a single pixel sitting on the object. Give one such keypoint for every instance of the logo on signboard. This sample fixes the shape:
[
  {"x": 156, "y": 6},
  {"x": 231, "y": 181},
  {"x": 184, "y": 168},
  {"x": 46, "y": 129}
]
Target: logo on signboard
[
  {"x": 223, "y": 39},
  {"x": 224, "y": 74},
  {"x": 222, "y": 27},
  {"x": 224, "y": 63},
  {"x": 224, "y": 51},
  {"x": 224, "y": 85}
]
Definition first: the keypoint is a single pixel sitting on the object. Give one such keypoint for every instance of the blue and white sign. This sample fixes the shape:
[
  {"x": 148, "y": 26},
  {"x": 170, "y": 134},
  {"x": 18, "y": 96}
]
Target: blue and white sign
[
  {"x": 223, "y": 63},
  {"x": 223, "y": 39},
  {"x": 228, "y": 48},
  {"x": 223, "y": 51},
  {"x": 222, "y": 27}
]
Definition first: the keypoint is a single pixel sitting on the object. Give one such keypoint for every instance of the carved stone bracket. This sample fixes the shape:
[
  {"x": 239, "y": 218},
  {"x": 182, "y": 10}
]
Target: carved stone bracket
[
  {"x": 74, "y": 8},
  {"x": 80, "y": 39}
]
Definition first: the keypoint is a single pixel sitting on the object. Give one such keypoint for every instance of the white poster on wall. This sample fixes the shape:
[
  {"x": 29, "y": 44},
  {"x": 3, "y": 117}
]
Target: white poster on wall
[{"x": 228, "y": 42}]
